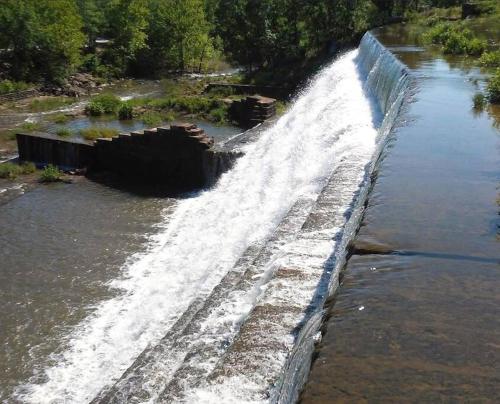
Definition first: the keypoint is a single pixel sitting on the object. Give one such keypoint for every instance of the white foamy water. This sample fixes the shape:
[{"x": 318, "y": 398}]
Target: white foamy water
[{"x": 207, "y": 234}]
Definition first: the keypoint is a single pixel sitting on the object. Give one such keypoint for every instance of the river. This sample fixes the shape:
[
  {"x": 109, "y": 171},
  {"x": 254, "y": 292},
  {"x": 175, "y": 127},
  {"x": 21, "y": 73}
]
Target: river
[
  {"x": 415, "y": 319},
  {"x": 218, "y": 296}
]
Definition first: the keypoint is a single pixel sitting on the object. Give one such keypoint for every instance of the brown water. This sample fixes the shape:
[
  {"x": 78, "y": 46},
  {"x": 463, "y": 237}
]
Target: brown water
[
  {"x": 416, "y": 317},
  {"x": 59, "y": 245}
]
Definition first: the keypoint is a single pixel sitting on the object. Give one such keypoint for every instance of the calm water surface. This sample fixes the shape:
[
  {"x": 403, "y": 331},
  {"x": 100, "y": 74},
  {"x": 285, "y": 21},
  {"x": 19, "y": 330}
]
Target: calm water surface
[{"x": 421, "y": 324}]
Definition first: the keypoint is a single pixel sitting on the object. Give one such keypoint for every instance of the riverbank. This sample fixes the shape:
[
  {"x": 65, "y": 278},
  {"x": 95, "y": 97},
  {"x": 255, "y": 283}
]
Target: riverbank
[{"x": 414, "y": 318}]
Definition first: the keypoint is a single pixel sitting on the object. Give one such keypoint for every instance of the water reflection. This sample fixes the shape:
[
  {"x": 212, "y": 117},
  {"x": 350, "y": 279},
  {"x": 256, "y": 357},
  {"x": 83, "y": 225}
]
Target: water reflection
[{"x": 428, "y": 330}]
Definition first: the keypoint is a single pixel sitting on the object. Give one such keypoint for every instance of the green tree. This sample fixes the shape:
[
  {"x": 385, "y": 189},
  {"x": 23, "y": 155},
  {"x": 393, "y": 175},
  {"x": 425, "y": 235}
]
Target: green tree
[
  {"x": 178, "y": 35},
  {"x": 40, "y": 38},
  {"x": 94, "y": 20},
  {"x": 128, "y": 22}
]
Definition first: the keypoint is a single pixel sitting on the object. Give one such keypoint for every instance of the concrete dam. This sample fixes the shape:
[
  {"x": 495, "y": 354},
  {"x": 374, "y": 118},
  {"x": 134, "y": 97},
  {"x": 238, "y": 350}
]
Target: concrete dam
[{"x": 226, "y": 303}]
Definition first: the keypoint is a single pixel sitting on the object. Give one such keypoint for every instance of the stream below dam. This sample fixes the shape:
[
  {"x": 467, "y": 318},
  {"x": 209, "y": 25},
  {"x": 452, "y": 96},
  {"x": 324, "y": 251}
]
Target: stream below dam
[{"x": 219, "y": 296}]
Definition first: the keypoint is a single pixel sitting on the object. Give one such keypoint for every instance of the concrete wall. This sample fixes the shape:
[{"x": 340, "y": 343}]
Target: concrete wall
[
  {"x": 180, "y": 157},
  {"x": 44, "y": 149}
]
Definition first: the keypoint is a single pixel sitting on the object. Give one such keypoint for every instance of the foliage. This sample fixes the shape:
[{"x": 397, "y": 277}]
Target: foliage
[
  {"x": 103, "y": 104},
  {"x": 94, "y": 133},
  {"x": 455, "y": 39},
  {"x": 60, "y": 118},
  {"x": 479, "y": 101},
  {"x": 63, "y": 132},
  {"x": 125, "y": 112},
  {"x": 30, "y": 126},
  {"x": 152, "y": 118},
  {"x": 8, "y": 86},
  {"x": 493, "y": 88},
  {"x": 219, "y": 114},
  {"x": 43, "y": 38},
  {"x": 11, "y": 170},
  {"x": 490, "y": 59},
  {"x": 49, "y": 39},
  {"x": 50, "y": 174},
  {"x": 127, "y": 24}
]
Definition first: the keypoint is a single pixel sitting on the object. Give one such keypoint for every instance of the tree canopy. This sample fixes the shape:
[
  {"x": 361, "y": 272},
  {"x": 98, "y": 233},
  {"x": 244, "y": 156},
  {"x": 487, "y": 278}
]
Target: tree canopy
[{"x": 48, "y": 39}]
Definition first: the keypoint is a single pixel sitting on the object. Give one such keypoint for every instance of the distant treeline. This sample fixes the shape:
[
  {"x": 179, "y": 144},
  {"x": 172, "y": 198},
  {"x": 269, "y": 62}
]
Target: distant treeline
[{"x": 49, "y": 39}]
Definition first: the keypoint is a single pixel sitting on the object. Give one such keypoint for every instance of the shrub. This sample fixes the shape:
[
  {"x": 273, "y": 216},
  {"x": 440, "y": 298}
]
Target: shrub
[
  {"x": 493, "y": 88},
  {"x": 28, "y": 168},
  {"x": 103, "y": 104},
  {"x": 11, "y": 170},
  {"x": 125, "y": 112},
  {"x": 94, "y": 133},
  {"x": 455, "y": 39},
  {"x": 490, "y": 59},
  {"x": 7, "y": 86},
  {"x": 219, "y": 114},
  {"x": 63, "y": 132},
  {"x": 475, "y": 47},
  {"x": 50, "y": 174},
  {"x": 479, "y": 101},
  {"x": 170, "y": 116},
  {"x": 152, "y": 118}
]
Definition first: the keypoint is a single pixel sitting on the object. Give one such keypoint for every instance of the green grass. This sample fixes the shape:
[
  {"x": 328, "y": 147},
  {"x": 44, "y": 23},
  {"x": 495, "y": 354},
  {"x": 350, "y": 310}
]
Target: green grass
[
  {"x": 490, "y": 59},
  {"x": 12, "y": 171},
  {"x": 50, "y": 174},
  {"x": 103, "y": 104},
  {"x": 8, "y": 86},
  {"x": 59, "y": 118},
  {"x": 48, "y": 104},
  {"x": 94, "y": 133},
  {"x": 30, "y": 126},
  {"x": 63, "y": 132}
]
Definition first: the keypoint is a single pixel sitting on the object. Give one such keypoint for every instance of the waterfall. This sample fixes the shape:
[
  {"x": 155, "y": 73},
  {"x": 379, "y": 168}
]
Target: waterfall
[{"x": 224, "y": 304}]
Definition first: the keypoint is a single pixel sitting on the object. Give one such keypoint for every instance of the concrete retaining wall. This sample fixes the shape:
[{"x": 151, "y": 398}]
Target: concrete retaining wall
[
  {"x": 179, "y": 157},
  {"x": 43, "y": 149}
]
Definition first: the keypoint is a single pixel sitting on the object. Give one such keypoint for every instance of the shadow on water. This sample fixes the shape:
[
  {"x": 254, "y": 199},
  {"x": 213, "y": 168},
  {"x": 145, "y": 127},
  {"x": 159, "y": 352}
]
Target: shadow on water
[{"x": 141, "y": 187}]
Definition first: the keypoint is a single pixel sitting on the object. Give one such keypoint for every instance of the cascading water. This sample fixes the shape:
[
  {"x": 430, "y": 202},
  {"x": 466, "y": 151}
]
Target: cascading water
[{"x": 218, "y": 308}]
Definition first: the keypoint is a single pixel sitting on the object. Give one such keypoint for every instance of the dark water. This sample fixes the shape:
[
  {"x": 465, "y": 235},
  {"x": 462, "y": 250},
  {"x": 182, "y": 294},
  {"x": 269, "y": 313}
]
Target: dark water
[
  {"x": 59, "y": 245},
  {"x": 416, "y": 317}
]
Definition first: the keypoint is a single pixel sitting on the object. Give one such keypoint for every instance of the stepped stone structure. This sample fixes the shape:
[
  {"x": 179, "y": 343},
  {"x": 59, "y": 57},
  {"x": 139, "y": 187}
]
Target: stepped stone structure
[
  {"x": 253, "y": 110},
  {"x": 179, "y": 157}
]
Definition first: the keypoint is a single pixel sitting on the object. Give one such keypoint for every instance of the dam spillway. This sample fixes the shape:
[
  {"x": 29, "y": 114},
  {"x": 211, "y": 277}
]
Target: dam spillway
[{"x": 225, "y": 303}]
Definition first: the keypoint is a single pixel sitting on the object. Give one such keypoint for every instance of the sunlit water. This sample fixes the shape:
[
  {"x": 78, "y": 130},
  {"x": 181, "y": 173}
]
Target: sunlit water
[
  {"x": 416, "y": 318},
  {"x": 336, "y": 120}
]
